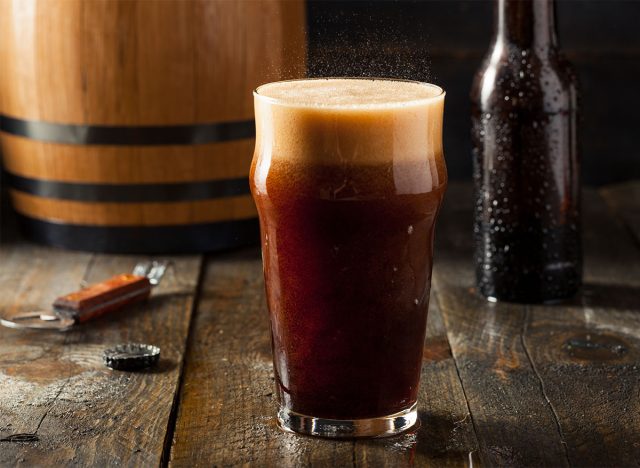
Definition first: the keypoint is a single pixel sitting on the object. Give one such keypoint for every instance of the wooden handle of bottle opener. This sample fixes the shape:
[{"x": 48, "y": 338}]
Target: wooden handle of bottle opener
[{"x": 106, "y": 296}]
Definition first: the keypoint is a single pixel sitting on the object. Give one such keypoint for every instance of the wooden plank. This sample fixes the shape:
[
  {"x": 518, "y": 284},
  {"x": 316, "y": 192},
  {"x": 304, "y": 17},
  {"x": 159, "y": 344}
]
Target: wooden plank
[
  {"x": 445, "y": 436},
  {"x": 587, "y": 354},
  {"x": 624, "y": 200},
  {"x": 534, "y": 403},
  {"x": 513, "y": 421},
  {"x": 227, "y": 407},
  {"x": 55, "y": 387}
]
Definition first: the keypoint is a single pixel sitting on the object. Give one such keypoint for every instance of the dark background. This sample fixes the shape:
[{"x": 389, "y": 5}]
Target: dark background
[{"x": 444, "y": 42}]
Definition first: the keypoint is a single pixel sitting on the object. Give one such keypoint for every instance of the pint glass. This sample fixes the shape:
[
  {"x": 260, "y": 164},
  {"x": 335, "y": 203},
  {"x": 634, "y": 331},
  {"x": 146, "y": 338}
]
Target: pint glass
[{"x": 348, "y": 176}]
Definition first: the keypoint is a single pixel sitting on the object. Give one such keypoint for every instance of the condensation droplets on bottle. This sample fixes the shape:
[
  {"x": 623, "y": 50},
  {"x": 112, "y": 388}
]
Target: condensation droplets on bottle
[{"x": 526, "y": 174}]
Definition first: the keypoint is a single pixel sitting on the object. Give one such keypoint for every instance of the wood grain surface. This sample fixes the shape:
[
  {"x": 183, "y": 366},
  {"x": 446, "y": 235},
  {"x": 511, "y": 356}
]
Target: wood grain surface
[
  {"x": 499, "y": 381},
  {"x": 587, "y": 353},
  {"x": 140, "y": 63},
  {"x": 446, "y": 435},
  {"x": 502, "y": 384},
  {"x": 99, "y": 163},
  {"x": 145, "y": 62},
  {"x": 135, "y": 214},
  {"x": 227, "y": 408},
  {"x": 540, "y": 391},
  {"x": 227, "y": 405},
  {"x": 59, "y": 404}
]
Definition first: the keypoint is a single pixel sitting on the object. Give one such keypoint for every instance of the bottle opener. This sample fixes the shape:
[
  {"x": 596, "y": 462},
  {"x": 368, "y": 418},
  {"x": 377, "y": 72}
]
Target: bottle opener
[{"x": 92, "y": 301}]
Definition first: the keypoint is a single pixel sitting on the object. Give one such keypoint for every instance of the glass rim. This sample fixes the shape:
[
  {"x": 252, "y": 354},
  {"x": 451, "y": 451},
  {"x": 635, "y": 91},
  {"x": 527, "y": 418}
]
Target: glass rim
[{"x": 283, "y": 102}]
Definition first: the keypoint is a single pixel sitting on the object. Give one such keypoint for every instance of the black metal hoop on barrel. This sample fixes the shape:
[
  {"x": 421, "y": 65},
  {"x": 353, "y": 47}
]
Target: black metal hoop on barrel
[{"x": 184, "y": 238}]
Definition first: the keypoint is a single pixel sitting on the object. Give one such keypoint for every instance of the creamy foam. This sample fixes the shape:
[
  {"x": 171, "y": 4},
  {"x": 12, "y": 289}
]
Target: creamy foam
[
  {"x": 350, "y": 121},
  {"x": 349, "y": 93}
]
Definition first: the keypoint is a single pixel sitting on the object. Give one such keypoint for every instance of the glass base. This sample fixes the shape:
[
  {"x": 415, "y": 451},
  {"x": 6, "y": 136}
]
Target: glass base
[{"x": 384, "y": 426}]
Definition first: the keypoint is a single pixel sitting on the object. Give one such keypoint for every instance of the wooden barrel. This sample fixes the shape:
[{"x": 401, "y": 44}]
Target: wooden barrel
[{"x": 127, "y": 126}]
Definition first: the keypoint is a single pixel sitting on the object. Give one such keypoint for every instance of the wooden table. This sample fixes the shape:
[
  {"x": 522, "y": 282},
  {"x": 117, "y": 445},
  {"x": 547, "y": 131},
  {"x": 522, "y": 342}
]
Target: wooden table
[{"x": 499, "y": 386}]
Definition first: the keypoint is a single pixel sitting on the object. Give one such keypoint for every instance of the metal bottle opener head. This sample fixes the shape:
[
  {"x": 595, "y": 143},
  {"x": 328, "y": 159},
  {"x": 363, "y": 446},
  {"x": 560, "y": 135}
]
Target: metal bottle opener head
[
  {"x": 39, "y": 320},
  {"x": 154, "y": 271},
  {"x": 91, "y": 301}
]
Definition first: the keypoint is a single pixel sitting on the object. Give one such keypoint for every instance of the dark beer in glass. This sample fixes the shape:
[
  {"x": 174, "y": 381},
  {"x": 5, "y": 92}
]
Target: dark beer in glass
[{"x": 348, "y": 177}]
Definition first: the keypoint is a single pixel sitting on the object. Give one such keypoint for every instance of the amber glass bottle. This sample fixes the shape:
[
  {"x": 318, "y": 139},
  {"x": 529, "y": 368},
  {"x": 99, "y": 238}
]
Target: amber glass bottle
[{"x": 526, "y": 174}]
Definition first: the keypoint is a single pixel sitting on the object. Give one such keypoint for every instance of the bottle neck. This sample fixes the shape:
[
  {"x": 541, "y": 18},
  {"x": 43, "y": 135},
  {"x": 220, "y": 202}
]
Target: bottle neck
[{"x": 526, "y": 23}]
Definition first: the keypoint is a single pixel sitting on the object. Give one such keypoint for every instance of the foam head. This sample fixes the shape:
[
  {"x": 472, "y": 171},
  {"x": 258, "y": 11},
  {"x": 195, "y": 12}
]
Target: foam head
[{"x": 349, "y": 121}]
